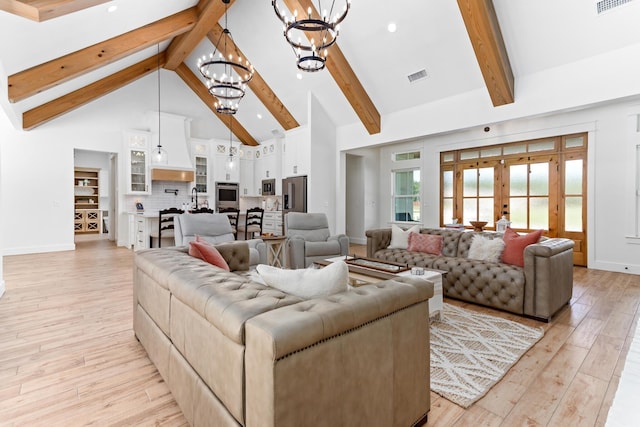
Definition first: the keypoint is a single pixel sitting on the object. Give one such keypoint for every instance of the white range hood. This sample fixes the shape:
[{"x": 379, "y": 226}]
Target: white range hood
[{"x": 175, "y": 134}]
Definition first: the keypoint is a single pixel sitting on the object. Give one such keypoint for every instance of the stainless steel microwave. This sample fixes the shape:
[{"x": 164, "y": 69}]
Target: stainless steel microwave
[{"x": 268, "y": 187}]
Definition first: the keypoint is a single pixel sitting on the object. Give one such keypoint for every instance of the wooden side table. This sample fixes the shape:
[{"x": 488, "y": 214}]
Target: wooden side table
[{"x": 275, "y": 249}]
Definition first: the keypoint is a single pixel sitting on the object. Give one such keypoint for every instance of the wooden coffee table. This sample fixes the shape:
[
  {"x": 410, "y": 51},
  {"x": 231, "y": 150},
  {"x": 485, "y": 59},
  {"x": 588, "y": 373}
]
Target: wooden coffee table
[{"x": 360, "y": 276}]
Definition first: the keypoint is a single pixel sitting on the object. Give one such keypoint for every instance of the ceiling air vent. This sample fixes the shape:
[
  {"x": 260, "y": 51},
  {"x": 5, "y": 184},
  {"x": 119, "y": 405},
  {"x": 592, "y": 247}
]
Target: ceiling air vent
[
  {"x": 606, "y": 5},
  {"x": 419, "y": 75}
]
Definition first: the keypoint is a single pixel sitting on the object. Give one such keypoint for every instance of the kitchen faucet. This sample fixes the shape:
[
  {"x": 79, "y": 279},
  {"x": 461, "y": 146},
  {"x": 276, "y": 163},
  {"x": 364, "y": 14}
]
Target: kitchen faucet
[{"x": 196, "y": 199}]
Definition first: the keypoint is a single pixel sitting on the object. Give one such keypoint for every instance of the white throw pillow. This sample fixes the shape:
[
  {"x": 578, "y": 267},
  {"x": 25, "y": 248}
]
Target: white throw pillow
[
  {"x": 400, "y": 237},
  {"x": 484, "y": 249},
  {"x": 307, "y": 282}
]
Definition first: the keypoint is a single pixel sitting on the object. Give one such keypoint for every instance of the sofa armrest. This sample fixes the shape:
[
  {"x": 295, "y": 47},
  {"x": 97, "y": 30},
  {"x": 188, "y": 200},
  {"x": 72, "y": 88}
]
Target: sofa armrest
[
  {"x": 377, "y": 239},
  {"x": 321, "y": 358},
  {"x": 261, "y": 247},
  {"x": 343, "y": 240},
  {"x": 295, "y": 252},
  {"x": 548, "y": 270}
]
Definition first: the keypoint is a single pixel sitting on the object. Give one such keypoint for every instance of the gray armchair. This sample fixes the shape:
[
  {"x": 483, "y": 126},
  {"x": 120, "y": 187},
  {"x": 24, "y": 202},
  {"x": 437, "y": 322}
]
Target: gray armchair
[
  {"x": 214, "y": 228},
  {"x": 309, "y": 239}
]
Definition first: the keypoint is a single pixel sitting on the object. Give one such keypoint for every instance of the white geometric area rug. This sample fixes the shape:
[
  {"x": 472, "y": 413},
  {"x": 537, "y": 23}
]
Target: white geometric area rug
[{"x": 470, "y": 352}]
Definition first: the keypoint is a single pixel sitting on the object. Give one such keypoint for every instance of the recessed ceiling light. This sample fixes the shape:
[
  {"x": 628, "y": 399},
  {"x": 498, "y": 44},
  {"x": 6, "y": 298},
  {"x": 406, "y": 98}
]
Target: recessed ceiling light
[
  {"x": 299, "y": 76},
  {"x": 259, "y": 116},
  {"x": 392, "y": 27},
  {"x": 112, "y": 8}
]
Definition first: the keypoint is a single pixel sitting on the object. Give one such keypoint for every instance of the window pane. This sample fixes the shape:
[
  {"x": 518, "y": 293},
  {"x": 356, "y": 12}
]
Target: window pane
[
  {"x": 466, "y": 155},
  {"x": 469, "y": 209},
  {"x": 575, "y": 141},
  {"x": 486, "y": 182},
  {"x": 539, "y": 213},
  {"x": 404, "y": 183},
  {"x": 448, "y": 157},
  {"x": 573, "y": 214},
  {"x": 470, "y": 184},
  {"x": 573, "y": 176},
  {"x": 518, "y": 212},
  {"x": 518, "y": 180},
  {"x": 539, "y": 179},
  {"x": 447, "y": 210},
  {"x": 404, "y": 209},
  {"x": 542, "y": 146},
  {"x": 408, "y": 156},
  {"x": 491, "y": 152},
  {"x": 447, "y": 184},
  {"x": 486, "y": 211},
  {"x": 515, "y": 149}
]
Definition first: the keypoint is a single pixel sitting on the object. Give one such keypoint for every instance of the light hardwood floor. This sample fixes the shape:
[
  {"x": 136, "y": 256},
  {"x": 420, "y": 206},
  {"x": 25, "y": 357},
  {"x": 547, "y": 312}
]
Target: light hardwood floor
[{"x": 68, "y": 356}]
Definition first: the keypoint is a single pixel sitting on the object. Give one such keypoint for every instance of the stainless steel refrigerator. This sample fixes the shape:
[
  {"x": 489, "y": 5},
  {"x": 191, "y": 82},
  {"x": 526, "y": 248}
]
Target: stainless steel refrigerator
[{"x": 294, "y": 194}]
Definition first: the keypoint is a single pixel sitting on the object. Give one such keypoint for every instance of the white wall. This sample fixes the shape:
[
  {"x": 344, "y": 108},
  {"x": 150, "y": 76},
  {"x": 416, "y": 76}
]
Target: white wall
[{"x": 321, "y": 182}]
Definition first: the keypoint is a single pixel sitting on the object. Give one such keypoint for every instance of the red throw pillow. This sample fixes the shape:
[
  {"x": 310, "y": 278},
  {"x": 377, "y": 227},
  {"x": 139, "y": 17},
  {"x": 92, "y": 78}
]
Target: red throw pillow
[
  {"x": 207, "y": 252},
  {"x": 427, "y": 243},
  {"x": 514, "y": 245}
]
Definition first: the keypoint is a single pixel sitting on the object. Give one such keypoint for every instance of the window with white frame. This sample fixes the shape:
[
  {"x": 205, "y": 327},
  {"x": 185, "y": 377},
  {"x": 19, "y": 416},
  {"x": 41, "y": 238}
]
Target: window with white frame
[{"x": 406, "y": 195}]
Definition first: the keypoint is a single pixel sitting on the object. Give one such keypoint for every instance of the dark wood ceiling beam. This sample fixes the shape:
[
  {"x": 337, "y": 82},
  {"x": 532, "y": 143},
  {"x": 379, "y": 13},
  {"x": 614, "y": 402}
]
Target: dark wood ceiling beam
[
  {"x": 209, "y": 13},
  {"x": 257, "y": 84},
  {"x": 229, "y": 120},
  {"x": 41, "y": 10},
  {"x": 82, "y": 96},
  {"x": 344, "y": 76},
  {"x": 484, "y": 32},
  {"x": 36, "y": 79}
]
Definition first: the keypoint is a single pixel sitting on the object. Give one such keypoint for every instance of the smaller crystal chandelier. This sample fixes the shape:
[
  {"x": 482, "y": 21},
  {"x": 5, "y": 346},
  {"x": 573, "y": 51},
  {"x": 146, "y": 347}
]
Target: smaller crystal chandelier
[
  {"x": 226, "y": 76},
  {"x": 311, "y": 36}
]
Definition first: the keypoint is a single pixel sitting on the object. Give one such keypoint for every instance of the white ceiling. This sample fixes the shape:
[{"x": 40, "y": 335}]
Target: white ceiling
[{"x": 538, "y": 35}]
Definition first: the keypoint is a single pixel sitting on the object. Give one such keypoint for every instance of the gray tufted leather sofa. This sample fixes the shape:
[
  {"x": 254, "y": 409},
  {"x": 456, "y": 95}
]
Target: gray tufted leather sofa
[
  {"x": 538, "y": 290},
  {"x": 234, "y": 352}
]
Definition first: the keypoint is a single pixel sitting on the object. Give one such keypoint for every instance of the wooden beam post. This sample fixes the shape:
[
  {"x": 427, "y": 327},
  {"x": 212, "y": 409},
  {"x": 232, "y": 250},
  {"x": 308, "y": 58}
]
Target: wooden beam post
[
  {"x": 484, "y": 32},
  {"x": 82, "y": 96},
  {"x": 41, "y": 77}
]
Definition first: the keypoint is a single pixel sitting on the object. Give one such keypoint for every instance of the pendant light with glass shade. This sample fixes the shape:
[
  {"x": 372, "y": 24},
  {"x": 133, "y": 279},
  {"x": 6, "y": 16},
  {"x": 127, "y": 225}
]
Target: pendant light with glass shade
[
  {"x": 159, "y": 154},
  {"x": 230, "y": 163}
]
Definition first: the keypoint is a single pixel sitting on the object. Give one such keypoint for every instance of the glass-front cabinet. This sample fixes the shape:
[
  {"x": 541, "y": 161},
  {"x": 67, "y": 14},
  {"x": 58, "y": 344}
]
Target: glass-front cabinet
[
  {"x": 200, "y": 153},
  {"x": 137, "y": 162}
]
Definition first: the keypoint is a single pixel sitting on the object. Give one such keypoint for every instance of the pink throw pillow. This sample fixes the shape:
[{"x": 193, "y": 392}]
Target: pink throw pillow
[
  {"x": 427, "y": 243},
  {"x": 205, "y": 251},
  {"x": 514, "y": 245}
]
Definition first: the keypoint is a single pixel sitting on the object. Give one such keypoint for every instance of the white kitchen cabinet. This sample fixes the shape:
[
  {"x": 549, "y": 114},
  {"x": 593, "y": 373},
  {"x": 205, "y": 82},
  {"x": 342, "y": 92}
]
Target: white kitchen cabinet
[
  {"x": 139, "y": 226},
  {"x": 221, "y": 173},
  {"x": 201, "y": 164},
  {"x": 137, "y": 159},
  {"x": 268, "y": 163},
  {"x": 272, "y": 222},
  {"x": 296, "y": 152},
  {"x": 247, "y": 183}
]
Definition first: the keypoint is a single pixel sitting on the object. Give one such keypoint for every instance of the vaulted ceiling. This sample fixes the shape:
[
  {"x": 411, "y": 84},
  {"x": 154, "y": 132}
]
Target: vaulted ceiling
[{"x": 61, "y": 54}]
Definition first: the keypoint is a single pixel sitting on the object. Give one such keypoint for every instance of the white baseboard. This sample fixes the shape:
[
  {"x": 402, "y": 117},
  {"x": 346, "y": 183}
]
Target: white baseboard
[
  {"x": 38, "y": 249},
  {"x": 358, "y": 240},
  {"x": 2, "y": 288},
  {"x": 615, "y": 267}
]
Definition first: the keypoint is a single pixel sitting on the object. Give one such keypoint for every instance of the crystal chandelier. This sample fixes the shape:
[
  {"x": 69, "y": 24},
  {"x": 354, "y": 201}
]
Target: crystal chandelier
[
  {"x": 311, "y": 36},
  {"x": 225, "y": 72}
]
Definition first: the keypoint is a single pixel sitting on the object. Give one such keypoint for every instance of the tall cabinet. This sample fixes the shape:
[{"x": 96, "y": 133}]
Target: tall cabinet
[
  {"x": 137, "y": 162},
  {"x": 87, "y": 216}
]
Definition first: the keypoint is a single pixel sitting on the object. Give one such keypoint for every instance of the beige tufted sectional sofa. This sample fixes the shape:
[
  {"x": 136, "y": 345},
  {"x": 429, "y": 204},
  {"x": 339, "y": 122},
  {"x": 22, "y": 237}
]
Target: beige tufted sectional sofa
[
  {"x": 234, "y": 352},
  {"x": 538, "y": 290}
]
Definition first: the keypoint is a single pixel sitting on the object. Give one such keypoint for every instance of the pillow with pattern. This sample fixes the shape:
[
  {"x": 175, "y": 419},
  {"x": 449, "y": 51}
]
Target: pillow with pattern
[{"x": 427, "y": 243}]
